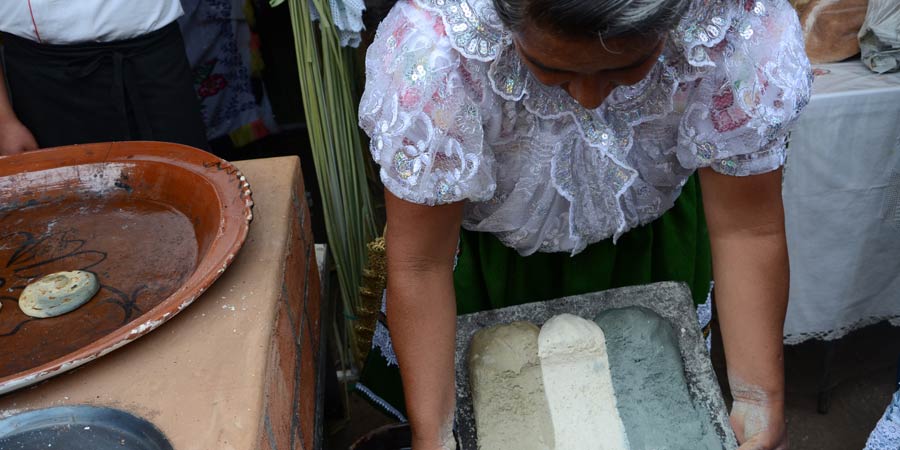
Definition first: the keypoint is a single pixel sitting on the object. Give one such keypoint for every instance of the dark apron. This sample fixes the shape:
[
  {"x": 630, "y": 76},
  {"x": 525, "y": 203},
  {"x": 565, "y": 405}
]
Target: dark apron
[{"x": 134, "y": 89}]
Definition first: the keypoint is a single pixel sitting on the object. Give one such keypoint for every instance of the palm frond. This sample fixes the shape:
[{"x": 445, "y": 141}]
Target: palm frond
[{"x": 330, "y": 103}]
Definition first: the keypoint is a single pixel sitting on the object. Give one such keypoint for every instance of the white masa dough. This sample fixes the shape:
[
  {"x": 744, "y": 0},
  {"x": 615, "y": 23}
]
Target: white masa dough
[
  {"x": 578, "y": 385},
  {"x": 511, "y": 410}
]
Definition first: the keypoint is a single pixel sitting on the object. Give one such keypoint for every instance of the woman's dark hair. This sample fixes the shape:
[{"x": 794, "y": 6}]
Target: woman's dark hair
[
  {"x": 593, "y": 18},
  {"x": 577, "y": 18}
]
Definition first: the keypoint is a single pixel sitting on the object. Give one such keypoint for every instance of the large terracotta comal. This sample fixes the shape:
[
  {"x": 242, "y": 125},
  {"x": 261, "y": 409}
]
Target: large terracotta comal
[{"x": 156, "y": 222}]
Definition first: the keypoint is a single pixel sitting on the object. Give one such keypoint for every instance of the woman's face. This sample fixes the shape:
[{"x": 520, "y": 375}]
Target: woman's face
[{"x": 588, "y": 69}]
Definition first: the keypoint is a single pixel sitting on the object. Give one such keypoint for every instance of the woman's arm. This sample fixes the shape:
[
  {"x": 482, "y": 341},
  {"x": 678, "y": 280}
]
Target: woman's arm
[
  {"x": 745, "y": 216},
  {"x": 14, "y": 137},
  {"x": 421, "y": 310}
]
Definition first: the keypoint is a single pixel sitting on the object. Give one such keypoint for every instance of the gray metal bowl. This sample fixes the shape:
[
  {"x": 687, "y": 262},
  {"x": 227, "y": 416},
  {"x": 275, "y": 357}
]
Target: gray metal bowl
[{"x": 79, "y": 427}]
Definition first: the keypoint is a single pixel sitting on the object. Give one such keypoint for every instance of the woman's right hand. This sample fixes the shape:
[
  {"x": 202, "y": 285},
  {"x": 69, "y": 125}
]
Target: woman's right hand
[
  {"x": 15, "y": 138},
  {"x": 433, "y": 446},
  {"x": 445, "y": 439}
]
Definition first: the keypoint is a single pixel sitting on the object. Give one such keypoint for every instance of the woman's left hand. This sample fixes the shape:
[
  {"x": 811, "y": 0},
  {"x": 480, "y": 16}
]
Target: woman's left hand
[{"x": 759, "y": 424}]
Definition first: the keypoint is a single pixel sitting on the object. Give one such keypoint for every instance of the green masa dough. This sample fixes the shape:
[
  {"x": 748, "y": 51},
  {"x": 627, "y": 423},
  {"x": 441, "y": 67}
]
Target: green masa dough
[{"x": 651, "y": 390}]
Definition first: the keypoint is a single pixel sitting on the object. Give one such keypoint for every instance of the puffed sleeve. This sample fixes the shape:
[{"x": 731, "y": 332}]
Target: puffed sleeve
[
  {"x": 756, "y": 81},
  {"x": 426, "y": 131}
]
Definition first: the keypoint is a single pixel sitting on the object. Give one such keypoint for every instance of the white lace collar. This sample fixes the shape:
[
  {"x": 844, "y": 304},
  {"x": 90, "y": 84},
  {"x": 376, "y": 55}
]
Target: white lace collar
[{"x": 476, "y": 32}]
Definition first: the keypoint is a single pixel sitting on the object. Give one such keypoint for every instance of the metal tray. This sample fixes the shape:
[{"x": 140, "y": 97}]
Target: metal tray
[
  {"x": 672, "y": 301},
  {"x": 80, "y": 427}
]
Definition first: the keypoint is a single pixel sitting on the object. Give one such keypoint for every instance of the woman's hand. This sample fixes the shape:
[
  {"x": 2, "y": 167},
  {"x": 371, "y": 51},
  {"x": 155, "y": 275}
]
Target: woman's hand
[
  {"x": 15, "y": 138},
  {"x": 445, "y": 440},
  {"x": 434, "y": 445},
  {"x": 759, "y": 424}
]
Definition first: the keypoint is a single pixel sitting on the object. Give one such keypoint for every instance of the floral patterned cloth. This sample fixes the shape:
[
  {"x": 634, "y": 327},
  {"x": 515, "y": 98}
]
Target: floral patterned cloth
[
  {"x": 453, "y": 114},
  {"x": 224, "y": 55}
]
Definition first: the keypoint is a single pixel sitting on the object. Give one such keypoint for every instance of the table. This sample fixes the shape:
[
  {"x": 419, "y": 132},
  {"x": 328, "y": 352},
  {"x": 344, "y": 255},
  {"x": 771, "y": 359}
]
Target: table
[
  {"x": 239, "y": 369},
  {"x": 842, "y": 205}
]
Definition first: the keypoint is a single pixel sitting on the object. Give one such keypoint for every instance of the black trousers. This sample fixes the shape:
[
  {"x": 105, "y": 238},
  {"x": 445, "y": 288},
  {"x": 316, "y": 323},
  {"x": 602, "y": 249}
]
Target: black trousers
[{"x": 135, "y": 89}]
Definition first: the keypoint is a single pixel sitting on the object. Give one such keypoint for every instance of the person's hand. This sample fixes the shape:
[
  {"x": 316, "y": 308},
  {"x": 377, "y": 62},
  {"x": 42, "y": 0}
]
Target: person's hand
[
  {"x": 434, "y": 445},
  {"x": 759, "y": 424},
  {"x": 429, "y": 447},
  {"x": 15, "y": 138},
  {"x": 445, "y": 440}
]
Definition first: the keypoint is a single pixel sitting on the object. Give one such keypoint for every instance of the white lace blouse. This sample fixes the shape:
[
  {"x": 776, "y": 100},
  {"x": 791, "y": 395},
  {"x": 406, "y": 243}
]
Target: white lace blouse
[{"x": 453, "y": 114}]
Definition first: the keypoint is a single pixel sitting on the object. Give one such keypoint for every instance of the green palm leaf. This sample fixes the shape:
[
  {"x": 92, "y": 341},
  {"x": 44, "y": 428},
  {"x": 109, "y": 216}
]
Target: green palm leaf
[{"x": 330, "y": 103}]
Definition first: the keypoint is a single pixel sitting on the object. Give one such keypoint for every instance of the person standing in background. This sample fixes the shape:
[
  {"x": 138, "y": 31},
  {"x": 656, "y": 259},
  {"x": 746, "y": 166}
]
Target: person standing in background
[
  {"x": 95, "y": 71},
  {"x": 224, "y": 51}
]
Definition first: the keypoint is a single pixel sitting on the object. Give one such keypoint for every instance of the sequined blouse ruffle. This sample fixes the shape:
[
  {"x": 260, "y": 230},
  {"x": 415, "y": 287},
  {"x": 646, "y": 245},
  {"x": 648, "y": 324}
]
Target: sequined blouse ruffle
[{"x": 454, "y": 115}]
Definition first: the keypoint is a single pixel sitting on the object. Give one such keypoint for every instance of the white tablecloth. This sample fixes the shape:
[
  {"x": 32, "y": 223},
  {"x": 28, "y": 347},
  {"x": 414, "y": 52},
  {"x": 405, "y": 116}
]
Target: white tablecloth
[{"x": 842, "y": 205}]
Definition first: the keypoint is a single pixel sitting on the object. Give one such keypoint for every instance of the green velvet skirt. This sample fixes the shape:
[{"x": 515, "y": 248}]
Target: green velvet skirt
[{"x": 489, "y": 275}]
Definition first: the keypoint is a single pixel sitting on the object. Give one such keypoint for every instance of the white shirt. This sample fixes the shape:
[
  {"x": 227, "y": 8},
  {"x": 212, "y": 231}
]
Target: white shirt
[
  {"x": 80, "y": 21},
  {"x": 454, "y": 115}
]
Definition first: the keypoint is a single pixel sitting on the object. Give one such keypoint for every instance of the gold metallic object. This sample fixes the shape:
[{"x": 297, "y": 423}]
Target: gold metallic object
[{"x": 374, "y": 281}]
